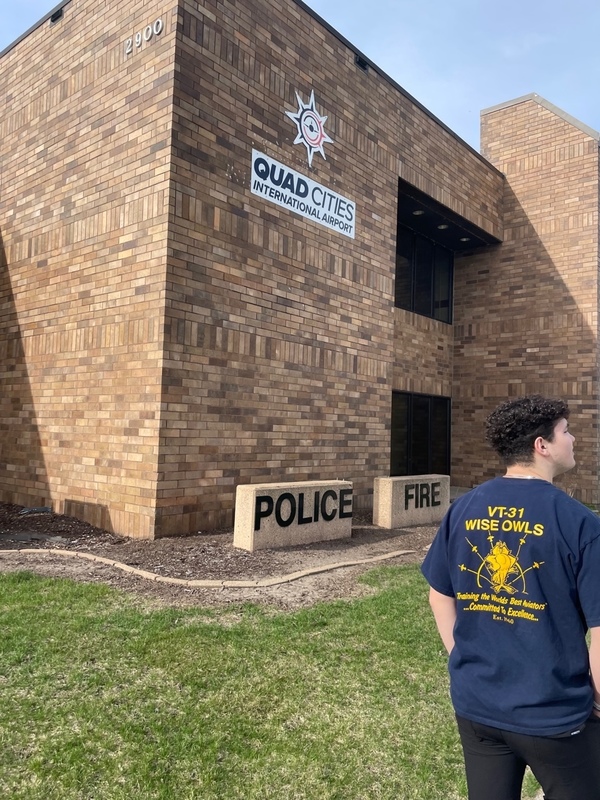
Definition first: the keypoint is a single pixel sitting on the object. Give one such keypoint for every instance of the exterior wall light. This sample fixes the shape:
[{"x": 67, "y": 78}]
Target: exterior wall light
[{"x": 361, "y": 62}]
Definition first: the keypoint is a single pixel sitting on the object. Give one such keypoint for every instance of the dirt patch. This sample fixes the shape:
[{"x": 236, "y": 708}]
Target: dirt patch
[{"x": 204, "y": 556}]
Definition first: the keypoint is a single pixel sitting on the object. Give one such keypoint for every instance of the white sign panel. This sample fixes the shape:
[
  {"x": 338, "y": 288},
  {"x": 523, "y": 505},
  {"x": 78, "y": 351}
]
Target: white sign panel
[{"x": 288, "y": 188}]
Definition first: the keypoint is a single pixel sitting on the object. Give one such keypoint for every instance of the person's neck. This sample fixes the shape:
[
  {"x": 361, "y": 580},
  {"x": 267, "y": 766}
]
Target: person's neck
[{"x": 528, "y": 471}]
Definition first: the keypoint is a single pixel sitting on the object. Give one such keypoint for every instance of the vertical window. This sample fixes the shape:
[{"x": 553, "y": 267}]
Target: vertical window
[
  {"x": 424, "y": 276},
  {"x": 423, "y": 271},
  {"x": 439, "y": 428},
  {"x": 442, "y": 284},
  {"x": 420, "y": 434},
  {"x": 400, "y": 438},
  {"x": 404, "y": 269}
]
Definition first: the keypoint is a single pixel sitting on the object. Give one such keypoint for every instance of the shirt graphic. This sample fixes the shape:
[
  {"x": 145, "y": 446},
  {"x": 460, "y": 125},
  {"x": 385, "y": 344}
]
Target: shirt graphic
[{"x": 502, "y": 567}]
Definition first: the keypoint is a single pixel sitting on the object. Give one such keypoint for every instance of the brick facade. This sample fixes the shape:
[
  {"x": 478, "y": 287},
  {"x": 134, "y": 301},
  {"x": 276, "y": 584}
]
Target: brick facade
[
  {"x": 84, "y": 212},
  {"x": 282, "y": 345},
  {"x": 167, "y": 335},
  {"x": 526, "y": 312}
]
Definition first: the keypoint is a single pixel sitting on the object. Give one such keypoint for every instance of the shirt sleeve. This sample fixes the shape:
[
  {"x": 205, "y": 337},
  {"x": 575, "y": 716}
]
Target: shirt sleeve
[
  {"x": 588, "y": 582},
  {"x": 436, "y": 566}
]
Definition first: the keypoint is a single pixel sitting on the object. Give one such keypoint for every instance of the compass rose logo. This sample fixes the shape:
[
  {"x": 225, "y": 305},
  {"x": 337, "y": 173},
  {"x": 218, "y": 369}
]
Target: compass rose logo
[{"x": 309, "y": 122}]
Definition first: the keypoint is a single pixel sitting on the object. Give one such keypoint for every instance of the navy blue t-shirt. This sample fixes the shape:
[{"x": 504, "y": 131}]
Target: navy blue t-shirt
[{"x": 522, "y": 559}]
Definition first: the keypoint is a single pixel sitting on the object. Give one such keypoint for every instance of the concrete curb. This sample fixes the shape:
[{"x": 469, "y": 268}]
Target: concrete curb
[{"x": 208, "y": 584}]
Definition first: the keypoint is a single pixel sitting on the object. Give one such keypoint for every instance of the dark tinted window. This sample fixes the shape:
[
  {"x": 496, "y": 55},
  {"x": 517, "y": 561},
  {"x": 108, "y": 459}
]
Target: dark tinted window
[
  {"x": 399, "y": 443},
  {"x": 443, "y": 270},
  {"x": 423, "y": 272},
  {"x": 404, "y": 270},
  {"x": 424, "y": 276},
  {"x": 420, "y": 436}
]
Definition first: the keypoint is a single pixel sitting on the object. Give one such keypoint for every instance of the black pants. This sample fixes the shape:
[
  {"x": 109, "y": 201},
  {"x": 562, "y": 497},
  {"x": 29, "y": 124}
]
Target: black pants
[{"x": 567, "y": 767}]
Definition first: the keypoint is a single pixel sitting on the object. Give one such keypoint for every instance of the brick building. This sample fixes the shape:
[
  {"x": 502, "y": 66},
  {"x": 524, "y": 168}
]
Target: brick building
[{"x": 233, "y": 251}]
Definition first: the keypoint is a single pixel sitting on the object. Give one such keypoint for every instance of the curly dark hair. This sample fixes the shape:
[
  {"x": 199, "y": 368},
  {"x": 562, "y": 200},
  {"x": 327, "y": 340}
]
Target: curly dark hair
[{"x": 513, "y": 427}]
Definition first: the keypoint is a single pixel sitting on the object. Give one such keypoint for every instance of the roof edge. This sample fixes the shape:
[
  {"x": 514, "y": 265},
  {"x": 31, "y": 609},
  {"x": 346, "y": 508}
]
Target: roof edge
[
  {"x": 323, "y": 22},
  {"x": 34, "y": 27},
  {"x": 549, "y": 107}
]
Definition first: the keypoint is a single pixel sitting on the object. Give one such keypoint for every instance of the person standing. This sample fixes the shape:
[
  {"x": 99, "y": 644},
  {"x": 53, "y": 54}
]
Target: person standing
[{"x": 514, "y": 576}]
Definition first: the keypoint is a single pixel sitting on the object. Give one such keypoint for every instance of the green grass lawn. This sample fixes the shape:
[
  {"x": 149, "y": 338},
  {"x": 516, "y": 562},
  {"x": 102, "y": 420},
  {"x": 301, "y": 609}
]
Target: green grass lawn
[{"x": 103, "y": 698}]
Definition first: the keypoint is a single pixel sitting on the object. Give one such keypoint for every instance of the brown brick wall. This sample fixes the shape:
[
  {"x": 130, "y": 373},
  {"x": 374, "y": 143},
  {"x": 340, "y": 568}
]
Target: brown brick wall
[
  {"x": 283, "y": 345},
  {"x": 526, "y": 311},
  {"x": 423, "y": 351},
  {"x": 166, "y": 334},
  {"x": 84, "y": 148}
]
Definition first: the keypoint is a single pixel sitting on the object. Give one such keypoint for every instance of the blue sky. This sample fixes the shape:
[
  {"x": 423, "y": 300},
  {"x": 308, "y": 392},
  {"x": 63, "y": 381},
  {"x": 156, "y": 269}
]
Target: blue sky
[{"x": 455, "y": 57}]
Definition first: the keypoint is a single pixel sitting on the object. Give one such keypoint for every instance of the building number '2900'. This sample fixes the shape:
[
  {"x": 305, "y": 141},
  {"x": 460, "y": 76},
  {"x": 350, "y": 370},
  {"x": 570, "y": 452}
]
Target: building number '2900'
[{"x": 143, "y": 36}]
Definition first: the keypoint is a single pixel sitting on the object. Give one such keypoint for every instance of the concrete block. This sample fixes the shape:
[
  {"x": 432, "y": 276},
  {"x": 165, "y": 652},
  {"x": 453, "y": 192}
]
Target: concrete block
[
  {"x": 283, "y": 514},
  {"x": 410, "y": 500}
]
